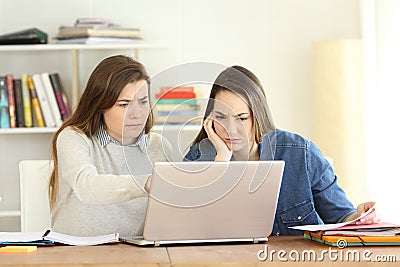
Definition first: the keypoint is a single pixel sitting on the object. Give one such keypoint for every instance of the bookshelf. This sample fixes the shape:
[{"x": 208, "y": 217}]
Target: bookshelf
[{"x": 34, "y": 143}]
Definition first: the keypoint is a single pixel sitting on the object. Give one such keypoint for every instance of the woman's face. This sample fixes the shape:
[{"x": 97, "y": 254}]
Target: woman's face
[
  {"x": 233, "y": 121},
  {"x": 126, "y": 120}
]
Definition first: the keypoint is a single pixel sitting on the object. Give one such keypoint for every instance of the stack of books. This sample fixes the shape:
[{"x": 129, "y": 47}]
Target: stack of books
[
  {"x": 177, "y": 105},
  {"x": 349, "y": 233},
  {"x": 383, "y": 234},
  {"x": 36, "y": 100},
  {"x": 95, "y": 30}
]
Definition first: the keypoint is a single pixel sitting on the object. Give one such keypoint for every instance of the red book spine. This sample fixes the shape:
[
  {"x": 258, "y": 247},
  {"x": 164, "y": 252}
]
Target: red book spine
[
  {"x": 57, "y": 88},
  {"x": 175, "y": 95},
  {"x": 11, "y": 100},
  {"x": 180, "y": 89}
]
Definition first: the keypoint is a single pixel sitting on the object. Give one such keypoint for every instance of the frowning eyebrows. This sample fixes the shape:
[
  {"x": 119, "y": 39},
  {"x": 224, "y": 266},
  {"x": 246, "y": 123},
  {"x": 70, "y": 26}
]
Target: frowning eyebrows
[
  {"x": 123, "y": 100},
  {"x": 237, "y": 115}
]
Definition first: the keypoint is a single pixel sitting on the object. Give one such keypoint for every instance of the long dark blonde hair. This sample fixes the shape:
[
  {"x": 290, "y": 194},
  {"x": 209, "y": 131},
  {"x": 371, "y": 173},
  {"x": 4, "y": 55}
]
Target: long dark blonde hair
[
  {"x": 241, "y": 81},
  {"x": 104, "y": 86}
]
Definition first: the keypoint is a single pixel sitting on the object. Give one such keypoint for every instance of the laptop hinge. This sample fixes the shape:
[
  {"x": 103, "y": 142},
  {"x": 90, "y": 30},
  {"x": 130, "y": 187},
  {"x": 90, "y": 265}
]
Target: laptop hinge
[
  {"x": 256, "y": 240},
  {"x": 157, "y": 243}
]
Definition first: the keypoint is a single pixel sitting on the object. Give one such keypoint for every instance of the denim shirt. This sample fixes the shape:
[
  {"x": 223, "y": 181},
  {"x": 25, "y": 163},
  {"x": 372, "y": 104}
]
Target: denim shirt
[{"x": 309, "y": 191}]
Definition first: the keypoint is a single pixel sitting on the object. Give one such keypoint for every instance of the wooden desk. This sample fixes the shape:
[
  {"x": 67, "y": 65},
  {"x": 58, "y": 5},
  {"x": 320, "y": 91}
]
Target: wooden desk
[
  {"x": 102, "y": 255},
  {"x": 246, "y": 255},
  {"x": 204, "y": 255}
]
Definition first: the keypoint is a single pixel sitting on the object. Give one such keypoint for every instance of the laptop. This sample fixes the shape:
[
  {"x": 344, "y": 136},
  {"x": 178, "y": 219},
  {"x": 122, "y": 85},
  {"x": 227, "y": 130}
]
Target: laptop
[{"x": 211, "y": 202}]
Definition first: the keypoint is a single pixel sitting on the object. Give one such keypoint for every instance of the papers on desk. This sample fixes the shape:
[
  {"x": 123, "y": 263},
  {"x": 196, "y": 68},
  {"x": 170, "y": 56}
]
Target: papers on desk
[
  {"x": 324, "y": 227},
  {"x": 51, "y": 238},
  {"x": 350, "y": 234},
  {"x": 343, "y": 238}
]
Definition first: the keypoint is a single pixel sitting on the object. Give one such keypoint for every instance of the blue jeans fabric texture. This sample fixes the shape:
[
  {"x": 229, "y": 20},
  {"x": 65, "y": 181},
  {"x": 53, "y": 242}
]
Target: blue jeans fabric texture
[{"x": 309, "y": 191}]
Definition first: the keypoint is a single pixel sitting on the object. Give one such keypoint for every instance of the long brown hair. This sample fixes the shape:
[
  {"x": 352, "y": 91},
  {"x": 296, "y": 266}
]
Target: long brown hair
[
  {"x": 105, "y": 84},
  {"x": 241, "y": 81}
]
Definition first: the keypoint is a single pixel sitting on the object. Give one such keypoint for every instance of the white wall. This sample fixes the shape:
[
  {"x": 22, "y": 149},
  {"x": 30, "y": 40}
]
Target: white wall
[
  {"x": 381, "y": 20},
  {"x": 272, "y": 38}
]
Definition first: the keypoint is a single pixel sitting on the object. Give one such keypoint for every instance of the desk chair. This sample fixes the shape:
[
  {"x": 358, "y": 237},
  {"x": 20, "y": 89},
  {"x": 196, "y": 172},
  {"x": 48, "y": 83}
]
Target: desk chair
[{"x": 35, "y": 209}]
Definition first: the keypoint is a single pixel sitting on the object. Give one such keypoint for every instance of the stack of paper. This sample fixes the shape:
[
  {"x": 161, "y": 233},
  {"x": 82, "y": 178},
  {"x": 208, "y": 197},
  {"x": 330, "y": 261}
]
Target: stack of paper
[{"x": 349, "y": 234}]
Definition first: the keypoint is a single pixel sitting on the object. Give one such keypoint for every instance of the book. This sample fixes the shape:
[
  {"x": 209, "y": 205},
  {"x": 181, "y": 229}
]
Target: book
[
  {"x": 43, "y": 101},
  {"x": 26, "y": 36},
  {"x": 79, "y": 240},
  {"x": 97, "y": 40},
  {"x": 108, "y": 31},
  {"x": 173, "y": 95},
  {"x": 19, "y": 104},
  {"x": 91, "y": 21},
  {"x": 172, "y": 107},
  {"x": 52, "y": 238},
  {"x": 347, "y": 241},
  {"x": 4, "y": 115},
  {"x": 37, "y": 111},
  {"x": 188, "y": 101},
  {"x": 26, "y": 99},
  {"x": 178, "y": 89},
  {"x": 66, "y": 104},
  {"x": 51, "y": 98},
  {"x": 11, "y": 100},
  {"x": 58, "y": 91}
]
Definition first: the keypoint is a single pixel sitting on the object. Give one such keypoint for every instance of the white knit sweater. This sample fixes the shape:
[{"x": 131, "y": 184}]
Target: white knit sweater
[{"x": 101, "y": 188}]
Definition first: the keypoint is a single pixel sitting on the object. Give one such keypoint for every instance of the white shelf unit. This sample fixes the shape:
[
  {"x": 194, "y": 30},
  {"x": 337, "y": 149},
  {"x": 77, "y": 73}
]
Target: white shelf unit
[{"x": 35, "y": 143}]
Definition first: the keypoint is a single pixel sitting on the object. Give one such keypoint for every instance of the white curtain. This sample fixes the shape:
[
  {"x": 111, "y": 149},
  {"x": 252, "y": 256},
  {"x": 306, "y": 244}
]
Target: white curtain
[{"x": 381, "y": 37}]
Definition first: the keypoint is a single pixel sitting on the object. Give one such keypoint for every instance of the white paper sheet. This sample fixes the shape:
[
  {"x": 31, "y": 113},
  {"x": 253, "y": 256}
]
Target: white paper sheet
[
  {"x": 20, "y": 236},
  {"x": 324, "y": 227}
]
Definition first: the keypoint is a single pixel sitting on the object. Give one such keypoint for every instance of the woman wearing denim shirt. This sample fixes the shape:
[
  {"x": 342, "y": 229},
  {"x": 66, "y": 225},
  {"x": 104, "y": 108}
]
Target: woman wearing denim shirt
[{"x": 238, "y": 126}]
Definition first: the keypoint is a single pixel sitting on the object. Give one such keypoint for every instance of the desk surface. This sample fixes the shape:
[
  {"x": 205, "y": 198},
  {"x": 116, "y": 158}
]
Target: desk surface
[{"x": 204, "y": 255}]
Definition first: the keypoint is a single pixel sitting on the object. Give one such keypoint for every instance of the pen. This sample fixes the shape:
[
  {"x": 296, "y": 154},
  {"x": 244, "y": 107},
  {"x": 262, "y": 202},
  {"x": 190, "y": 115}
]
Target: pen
[{"x": 46, "y": 233}]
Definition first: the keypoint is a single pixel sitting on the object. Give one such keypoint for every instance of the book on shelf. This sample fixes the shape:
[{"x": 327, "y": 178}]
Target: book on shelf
[
  {"x": 19, "y": 102},
  {"x": 112, "y": 31},
  {"x": 177, "y": 89},
  {"x": 4, "y": 115},
  {"x": 97, "y": 40},
  {"x": 37, "y": 111},
  {"x": 173, "y": 101},
  {"x": 26, "y": 36},
  {"x": 11, "y": 100},
  {"x": 26, "y": 99},
  {"x": 51, "y": 97},
  {"x": 173, "y": 95},
  {"x": 178, "y": 107},
  {"x": 58, "y": 91},
  {"x": 66, "y": 104},
  {"x": 43, "y": 101},
  {"x": 92, "y": 21},
  {"x": 53, "y": 238}
]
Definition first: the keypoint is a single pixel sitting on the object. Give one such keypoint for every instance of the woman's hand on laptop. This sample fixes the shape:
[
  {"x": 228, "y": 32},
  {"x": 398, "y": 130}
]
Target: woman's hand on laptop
[
  {"x": 223, "y": 152},
  {"x": 372, "y": 217},
  {"x": 148, "y": 183}
]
